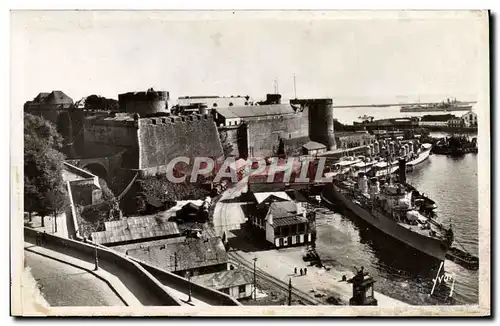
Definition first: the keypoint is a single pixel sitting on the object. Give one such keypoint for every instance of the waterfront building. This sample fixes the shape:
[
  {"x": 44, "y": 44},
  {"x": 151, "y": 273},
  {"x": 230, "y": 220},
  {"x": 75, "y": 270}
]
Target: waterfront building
[
  {"x": 280, "y": 220},
  {"x": 456, "y": 123},
  {"x": 235, "y": 282},
  {"x": 313, "y": 148},
  {"x": 354, "y": 139},
  {"x": 286, "y": 224},
  {"x": 470, "y": 119}
]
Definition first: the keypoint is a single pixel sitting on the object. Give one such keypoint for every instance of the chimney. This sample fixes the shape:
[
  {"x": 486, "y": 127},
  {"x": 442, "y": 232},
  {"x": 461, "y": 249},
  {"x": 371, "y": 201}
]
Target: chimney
[{"x": 402, "y": 170}]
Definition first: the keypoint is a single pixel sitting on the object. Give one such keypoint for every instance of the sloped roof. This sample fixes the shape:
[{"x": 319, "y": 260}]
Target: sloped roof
[
  {"x": 262, "y": 196},
  {"x": 282, "y": 209},
  {"x": 312, "y": 145},
  {"x": 227, "y": 113},
  {"x": 289, "y": 220},
  {"x": 58, "y": 97},
  {"x": 53, "y": 98},
  {"x": 222, "y": 280},
  {"x": 192, "y": 253},
  {"x": 136, "y": 228},
  {"x": 41, "y": 97},
  {"x": 255, "y": 110},
  {"x": 144, "y": 244}
]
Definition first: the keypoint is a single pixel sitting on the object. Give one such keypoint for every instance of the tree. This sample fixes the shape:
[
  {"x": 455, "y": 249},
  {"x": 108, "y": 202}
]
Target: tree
[
  {"x": 96, "y": 102},
  {"x": 55, "y": 202},
  {"x": 43, "y": 164}
]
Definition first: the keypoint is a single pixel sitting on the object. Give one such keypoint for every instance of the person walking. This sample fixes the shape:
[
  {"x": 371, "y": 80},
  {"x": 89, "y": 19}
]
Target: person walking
[
  {"x": 301, "y": 272},
  {"x": 42, "y": 242},
  {"x": 305, "y": 271},
  {"x": 295, "y": 270}
]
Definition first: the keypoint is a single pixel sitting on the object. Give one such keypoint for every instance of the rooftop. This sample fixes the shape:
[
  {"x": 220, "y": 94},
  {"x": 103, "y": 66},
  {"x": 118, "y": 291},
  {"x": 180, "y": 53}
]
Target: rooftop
[
  {"x": 289, "y": 220},
  {"x": 192, "y": 253},
  {"x": 222, "y": 280},
  {"x": 53, "y": 98},
  {"x": 138, "y": 245},
  {"x": 283, "y": 209},
  {"x": 262, "y": 196},
  {"x": 312, "y": 145},
  {"x": 136, "y": 229},
  {"x": 255, "y": 110}
]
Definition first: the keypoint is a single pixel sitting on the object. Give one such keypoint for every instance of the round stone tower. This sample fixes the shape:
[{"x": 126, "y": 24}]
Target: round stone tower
[
  {"x": 321, "y": 121},
  {"x": 144, "y": 103}
]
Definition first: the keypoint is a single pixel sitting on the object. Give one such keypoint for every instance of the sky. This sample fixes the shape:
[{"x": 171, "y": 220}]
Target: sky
[{"x": 338, "y": 55}]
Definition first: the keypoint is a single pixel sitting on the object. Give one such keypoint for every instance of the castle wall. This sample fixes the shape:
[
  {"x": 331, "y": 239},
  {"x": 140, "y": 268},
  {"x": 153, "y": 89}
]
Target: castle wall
[
  {"x": 264, "y": 133},
  {"x": 321, "y": 122},
  {"x": 144, "y": 103},
  {"x": 229, "y": 137},
  {"x": 111, "y": 131},
  {"x": 164, "y": 138}
]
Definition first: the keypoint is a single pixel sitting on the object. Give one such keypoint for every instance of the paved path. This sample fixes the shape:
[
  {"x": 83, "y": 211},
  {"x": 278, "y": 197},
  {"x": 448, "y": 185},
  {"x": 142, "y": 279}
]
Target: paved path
[
  {"x": 281, "y": 264},
  {"x": 64, "y": 285},
  {"x": 126, "y": 282},
  {"x": 228, "y": 215}
]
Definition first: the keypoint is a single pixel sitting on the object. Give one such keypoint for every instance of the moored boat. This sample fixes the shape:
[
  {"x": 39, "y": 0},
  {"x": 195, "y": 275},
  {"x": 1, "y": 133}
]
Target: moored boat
[{"x": 394, "y": 209}]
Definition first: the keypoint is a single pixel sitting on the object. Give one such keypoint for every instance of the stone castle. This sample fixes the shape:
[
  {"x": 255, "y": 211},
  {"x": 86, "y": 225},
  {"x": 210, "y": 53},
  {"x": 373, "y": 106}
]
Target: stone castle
[{"x": 145, "y": 135}]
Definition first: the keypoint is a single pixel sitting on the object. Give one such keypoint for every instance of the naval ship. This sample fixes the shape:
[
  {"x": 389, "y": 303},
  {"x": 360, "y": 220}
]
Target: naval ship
[
  {"x": 395, "y": 208},
  {"x": 443, "y": 106}
]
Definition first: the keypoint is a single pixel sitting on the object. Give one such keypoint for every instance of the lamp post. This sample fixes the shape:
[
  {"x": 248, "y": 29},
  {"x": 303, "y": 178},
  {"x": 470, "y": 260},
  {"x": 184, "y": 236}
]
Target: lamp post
[
  {"x": 175, "y": 261},
  {"x": 95, "y": 257},
  {"x": 254, "y": 279},
  {"x": 189, "y": 280}
]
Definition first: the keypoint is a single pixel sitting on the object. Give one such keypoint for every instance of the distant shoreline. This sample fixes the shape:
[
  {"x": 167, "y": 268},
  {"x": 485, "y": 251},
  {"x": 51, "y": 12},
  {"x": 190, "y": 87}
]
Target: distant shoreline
[{"x": 390, "y": 104}]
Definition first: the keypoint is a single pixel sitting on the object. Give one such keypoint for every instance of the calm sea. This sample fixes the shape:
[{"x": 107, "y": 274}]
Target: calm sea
[{"x": 345, "y": 241}]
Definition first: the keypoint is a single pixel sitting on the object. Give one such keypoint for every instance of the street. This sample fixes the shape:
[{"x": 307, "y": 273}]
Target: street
[{"x": 65, "y": 285}]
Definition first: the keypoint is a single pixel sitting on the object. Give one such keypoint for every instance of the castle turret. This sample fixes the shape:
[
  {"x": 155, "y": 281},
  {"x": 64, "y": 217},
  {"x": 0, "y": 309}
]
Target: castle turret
[{"x": 144, "y": 103}]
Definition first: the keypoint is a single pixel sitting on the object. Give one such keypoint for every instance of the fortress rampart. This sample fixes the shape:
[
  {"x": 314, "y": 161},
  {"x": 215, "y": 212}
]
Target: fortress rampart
[
  {"x": 320, "y": 120},
  {"x": 144, "y": 103},
  {"x": 163, "y": 138}
]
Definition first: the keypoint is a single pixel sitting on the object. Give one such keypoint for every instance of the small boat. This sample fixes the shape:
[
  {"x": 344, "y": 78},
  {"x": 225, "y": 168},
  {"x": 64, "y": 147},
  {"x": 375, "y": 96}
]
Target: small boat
[{"x": 463, "y": 258}]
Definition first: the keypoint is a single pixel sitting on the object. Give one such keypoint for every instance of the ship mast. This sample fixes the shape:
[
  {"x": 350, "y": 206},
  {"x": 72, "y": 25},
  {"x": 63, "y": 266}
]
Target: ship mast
[{"x": 294, "y": 86}]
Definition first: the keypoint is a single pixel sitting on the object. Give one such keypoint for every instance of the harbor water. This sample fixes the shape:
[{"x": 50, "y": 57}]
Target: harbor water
[
  {"x": 349, "y": 115},
  {"x": 345, "y": 241}
]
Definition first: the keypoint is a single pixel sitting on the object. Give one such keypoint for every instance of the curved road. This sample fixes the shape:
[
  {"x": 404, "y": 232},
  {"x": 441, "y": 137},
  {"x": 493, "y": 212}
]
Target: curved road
[{"x": 65, "y": 285}]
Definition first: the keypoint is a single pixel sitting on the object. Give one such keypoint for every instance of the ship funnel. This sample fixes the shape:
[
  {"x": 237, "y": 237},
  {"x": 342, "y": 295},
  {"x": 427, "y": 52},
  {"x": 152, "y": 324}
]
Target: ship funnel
[{"x": 402, "y": 171}]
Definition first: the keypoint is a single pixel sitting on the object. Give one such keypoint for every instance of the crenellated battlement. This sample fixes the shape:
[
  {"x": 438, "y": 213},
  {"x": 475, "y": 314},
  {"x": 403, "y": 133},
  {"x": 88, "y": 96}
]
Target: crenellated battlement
[
  {"x": 144, "y": 96},
  {"x": 174, "y": 119},
  {"x": 144, "y": 103}
]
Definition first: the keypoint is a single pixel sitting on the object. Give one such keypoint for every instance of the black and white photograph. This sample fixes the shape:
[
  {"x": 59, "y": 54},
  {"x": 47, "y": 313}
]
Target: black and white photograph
[{"x": 232, "y": 163}]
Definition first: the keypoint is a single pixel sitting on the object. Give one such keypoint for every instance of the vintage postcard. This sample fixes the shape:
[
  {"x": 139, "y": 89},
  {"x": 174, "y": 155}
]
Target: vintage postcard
[{"x": 231, "y": 163}]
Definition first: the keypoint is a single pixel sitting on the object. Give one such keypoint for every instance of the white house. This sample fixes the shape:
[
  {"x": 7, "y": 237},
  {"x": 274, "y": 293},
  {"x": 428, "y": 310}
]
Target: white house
[
  {"x": 286, "y": 224},
  {"x": 470, "y": 119},
  {"x": 456, "y": 122}
]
